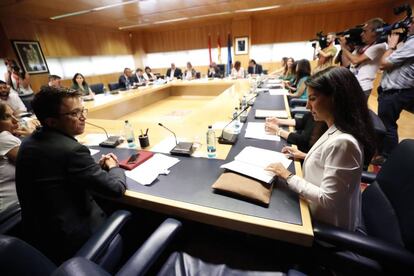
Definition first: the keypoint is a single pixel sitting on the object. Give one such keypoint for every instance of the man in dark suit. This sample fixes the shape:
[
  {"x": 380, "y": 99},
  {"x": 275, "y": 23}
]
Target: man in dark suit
[
  {"x": 125, "y": 80},
  {"x": 55, "y": 176},
  {"x": 138, "y": 78},
  {"x": 254, "y": 68},
  {"x": 174, "y": 72}
]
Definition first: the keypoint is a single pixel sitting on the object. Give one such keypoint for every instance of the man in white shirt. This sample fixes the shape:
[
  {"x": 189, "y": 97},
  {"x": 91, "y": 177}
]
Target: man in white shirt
[
  {"x": 365, "y": 60},
  {"x": 11, "y": 98}
]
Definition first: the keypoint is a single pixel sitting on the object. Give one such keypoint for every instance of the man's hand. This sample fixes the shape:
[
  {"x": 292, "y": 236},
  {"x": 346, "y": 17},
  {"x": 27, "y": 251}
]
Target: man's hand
[{"x": 108, "y": 161}]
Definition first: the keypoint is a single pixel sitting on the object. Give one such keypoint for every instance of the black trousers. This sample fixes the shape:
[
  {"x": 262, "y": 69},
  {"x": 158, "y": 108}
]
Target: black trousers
[{"x": 390, "y": 105}]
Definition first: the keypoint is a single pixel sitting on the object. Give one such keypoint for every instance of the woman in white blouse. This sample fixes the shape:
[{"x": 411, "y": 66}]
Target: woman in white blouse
[
  {"x": 332, "y": 167},
  {"x": 237, "y": 72},
  {"x": 190, "y": 72},
  {"x": 148, "y": 75}
]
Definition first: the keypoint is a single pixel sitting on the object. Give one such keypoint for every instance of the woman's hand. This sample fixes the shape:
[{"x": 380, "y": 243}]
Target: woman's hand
[
  {"x": 271, "y": 127},
  {"x": 279, "y": 170},
  {"x": 293, "y": 153}
]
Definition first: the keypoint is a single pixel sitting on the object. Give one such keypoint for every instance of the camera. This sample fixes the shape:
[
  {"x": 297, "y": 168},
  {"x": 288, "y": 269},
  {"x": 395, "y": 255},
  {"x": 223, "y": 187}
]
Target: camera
[
  {"x": 321, "y": 38},
  {"x": 353, "y": 36},
  {"x": 402, "y": 24}
]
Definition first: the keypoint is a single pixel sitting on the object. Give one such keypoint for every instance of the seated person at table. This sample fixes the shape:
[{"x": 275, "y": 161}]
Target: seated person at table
[
  {"x": 11, "y": 98},
  {"x": 9, "y": 148},
  {"x": 332, "y": 168},
  {"x": 125, "y": 80},
  {"x": 306, "y": 133},
  {"x": 18, "y": 79},
  {"x": 254, "y": 68},
  {"x": 56, "y": 175},
  {"x": 190, "y": 72},
  {"x": 290, "y": 71},
  {"x": 148, "y": 75},
  {"x": 54, "y": 81},
  {"x": 214, "y": 71},
  {"x": 281, "y": 69},
  {"x": 79, "y": 83},
  {"x": 138, "y": 77},
  {"x": 303, "y": 70},
  {"x": 174, "y": 72},
  {"x": 237, "y": 72}
]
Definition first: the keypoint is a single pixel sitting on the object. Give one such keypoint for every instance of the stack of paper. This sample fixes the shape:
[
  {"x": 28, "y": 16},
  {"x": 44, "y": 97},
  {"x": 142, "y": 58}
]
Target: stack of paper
[
  {"x": 148, "y": 171},
  {"x": 257, "y": 131},
  {"x": 278, "y": 91},
  {"x": 264, "y": 113},
  {"x": 252, "y": 161}
]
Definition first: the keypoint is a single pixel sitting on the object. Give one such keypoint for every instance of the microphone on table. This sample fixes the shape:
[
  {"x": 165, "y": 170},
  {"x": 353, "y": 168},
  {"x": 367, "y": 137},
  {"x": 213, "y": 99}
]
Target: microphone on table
[
  {"x": 181, "y": 148},
  {"x": 230, "y": 138},
  {"x": 111, "y": 141}
]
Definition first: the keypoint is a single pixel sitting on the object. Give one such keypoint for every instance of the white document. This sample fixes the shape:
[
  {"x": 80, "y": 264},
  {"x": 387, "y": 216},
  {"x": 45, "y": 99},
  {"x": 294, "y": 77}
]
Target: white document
[
  {"x": 278, "y": 91},
  {"x": 148, "y": 171},
  {"x": 252, "y": 161},
  {"x": 93, "y": 151},
  {"x": 263, "y": 113},
  {"x": 274, "y": 81},
  {"x": 257, "y": 131},
  {"x": 93, "y": 139}
]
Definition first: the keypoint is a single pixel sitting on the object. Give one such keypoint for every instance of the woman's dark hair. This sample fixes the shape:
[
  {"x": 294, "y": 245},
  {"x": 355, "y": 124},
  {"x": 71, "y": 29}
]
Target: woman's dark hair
[
  {"x": 350, "y": 109},
  {"x": 303, "y": 69},
  {"x": 147, "y": 67},
  {"x": 287, "y": 67},
  {"x": 237, "y": 64},
  {"x": 75, "y": 82},
  {"x": 47, "y": 103}
]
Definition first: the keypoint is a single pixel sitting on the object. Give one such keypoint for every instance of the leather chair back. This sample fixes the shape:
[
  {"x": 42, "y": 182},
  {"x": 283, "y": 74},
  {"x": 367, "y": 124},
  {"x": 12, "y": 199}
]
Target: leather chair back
[
  {"x": 113, "y": 86},
  {"x": 97, "y": 88}
]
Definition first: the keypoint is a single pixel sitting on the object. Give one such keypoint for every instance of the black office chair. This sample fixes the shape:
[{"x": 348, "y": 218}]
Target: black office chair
[
  {"x": 388, "y": 217},
  {"x": 97, "y": 88},
  {"x": 113, "y": 86},
  {"x": 19, "y": 258}
]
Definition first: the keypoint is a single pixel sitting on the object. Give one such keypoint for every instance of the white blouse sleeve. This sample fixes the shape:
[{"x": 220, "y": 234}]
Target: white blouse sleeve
[{"x": 342, "y": 170}]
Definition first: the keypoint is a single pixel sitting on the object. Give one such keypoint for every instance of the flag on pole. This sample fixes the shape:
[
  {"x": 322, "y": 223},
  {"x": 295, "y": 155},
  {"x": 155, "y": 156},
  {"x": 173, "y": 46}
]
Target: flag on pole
[
  {"x": 229, "y": 60},
  {"x": 218, "y": 49},
  {"x": 209, "y": 49}
]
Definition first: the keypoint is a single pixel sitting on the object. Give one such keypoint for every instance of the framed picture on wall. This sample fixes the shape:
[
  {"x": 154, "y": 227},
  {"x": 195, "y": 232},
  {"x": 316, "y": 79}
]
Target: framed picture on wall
[
  {"x": 241, "y": 45},
  {"x": 31, "y": 56}
]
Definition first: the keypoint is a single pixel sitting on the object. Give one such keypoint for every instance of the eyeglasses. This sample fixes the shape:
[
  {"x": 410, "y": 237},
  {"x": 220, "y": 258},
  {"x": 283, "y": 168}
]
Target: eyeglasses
[{"x": 77, "y": 113}]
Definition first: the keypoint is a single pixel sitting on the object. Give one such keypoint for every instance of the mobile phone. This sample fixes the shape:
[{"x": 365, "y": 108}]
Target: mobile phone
[{"x": 133, "y": 158}]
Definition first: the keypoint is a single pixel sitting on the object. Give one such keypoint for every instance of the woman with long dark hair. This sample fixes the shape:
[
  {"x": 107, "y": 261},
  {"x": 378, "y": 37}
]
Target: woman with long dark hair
[
  {"x": 79, "y": 83},
  {"x": 332, "y": 167},
  {"x": 303, "y": 71}
]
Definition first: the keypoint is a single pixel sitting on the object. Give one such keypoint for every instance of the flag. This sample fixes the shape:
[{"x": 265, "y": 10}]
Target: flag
[
  {"x": 209, "y": 49},
  {"x": 229, "y": 60},
  {"x": 218, "y": 49}
]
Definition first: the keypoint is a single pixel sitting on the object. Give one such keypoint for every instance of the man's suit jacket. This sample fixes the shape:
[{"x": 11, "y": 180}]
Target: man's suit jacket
[
  {"x": 332, "y": 173},
  {"x": 123, "y": 81},
  {"x": 177, "y": 73},
  {"x": 55, "y": 176},
  {"x": 258, "y": 70}
]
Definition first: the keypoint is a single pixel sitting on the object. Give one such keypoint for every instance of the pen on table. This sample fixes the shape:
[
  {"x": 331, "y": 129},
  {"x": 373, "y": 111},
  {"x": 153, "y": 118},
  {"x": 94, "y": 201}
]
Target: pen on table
[
  {"x": 146, "y": 132},
  {"x": 142, "y": 133}
]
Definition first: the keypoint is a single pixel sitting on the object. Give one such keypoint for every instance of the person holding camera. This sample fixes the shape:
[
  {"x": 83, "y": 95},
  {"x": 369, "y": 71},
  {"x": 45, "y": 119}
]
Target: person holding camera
[
  {"x": 327, "y": 54},
  {"x": 397, "y": 87},
  {"x": 365, "y": 59}
]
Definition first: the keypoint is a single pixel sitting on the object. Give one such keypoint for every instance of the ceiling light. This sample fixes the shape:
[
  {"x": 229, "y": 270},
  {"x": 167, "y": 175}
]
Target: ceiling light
[
  {"x": 259, "y": 9},
  {"x": 95, "y": 9},
  {"x": 171, "y": 20},
  {"x": 210, "y": 14},
  {"x": 133, "y": 26}
]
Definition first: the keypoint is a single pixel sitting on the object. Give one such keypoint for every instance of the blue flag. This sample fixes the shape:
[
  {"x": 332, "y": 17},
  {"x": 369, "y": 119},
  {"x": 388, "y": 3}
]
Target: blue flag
[{"x": 229, "y": 60}]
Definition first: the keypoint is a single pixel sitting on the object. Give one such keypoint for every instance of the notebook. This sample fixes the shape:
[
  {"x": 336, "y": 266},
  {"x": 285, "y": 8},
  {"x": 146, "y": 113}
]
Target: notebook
[
  {"x": 143, "y": 156},
  {"x": 263, "y": 113}
]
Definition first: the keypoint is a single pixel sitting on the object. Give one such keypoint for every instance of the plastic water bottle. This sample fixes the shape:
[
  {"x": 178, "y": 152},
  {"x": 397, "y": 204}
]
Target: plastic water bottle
[
  {"x": 237, "y": 121},
  {"x": 211, "y": 143},
  {"x": 129, "y": 134}
]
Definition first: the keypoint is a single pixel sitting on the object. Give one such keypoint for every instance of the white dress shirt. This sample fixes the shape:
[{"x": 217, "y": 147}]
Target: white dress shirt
[{"x": 331, "y": 179}]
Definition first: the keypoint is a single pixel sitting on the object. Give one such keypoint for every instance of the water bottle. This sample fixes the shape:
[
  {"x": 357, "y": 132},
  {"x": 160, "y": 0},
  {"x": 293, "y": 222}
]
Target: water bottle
[
  {"x": 237, "y": 121},
  {"x": 243, "y": 106},
  {"x": 211, "y": 143},
  {"x": 129, "y": 134}
]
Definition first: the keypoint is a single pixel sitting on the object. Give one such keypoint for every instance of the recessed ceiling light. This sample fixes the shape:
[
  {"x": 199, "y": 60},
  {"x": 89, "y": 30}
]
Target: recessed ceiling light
[
  {"x": 171, "y": 20},
  {"x": 210, "y": 14},
  {"x": 259, "y": 9}
]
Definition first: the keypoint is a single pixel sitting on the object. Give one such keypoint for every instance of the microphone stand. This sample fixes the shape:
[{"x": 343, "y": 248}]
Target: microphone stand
[
  {"x": 181, "y": 148},
  {"x": 110, "y": 142}
]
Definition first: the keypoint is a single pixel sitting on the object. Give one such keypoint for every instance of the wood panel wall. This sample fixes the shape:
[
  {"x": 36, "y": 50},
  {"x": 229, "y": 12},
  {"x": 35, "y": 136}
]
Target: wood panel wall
[{"x": 62, "y": 40}]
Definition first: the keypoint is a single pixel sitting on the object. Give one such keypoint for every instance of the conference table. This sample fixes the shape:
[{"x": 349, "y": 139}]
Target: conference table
[{"x": 187, "y": 108}]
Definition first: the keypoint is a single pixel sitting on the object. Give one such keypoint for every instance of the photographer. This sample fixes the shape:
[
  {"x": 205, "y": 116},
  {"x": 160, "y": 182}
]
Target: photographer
[
  {"x": 397, "y": 87},
  {"x": 327, "y": 54},
  {"x": 365, "y": 59}
]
